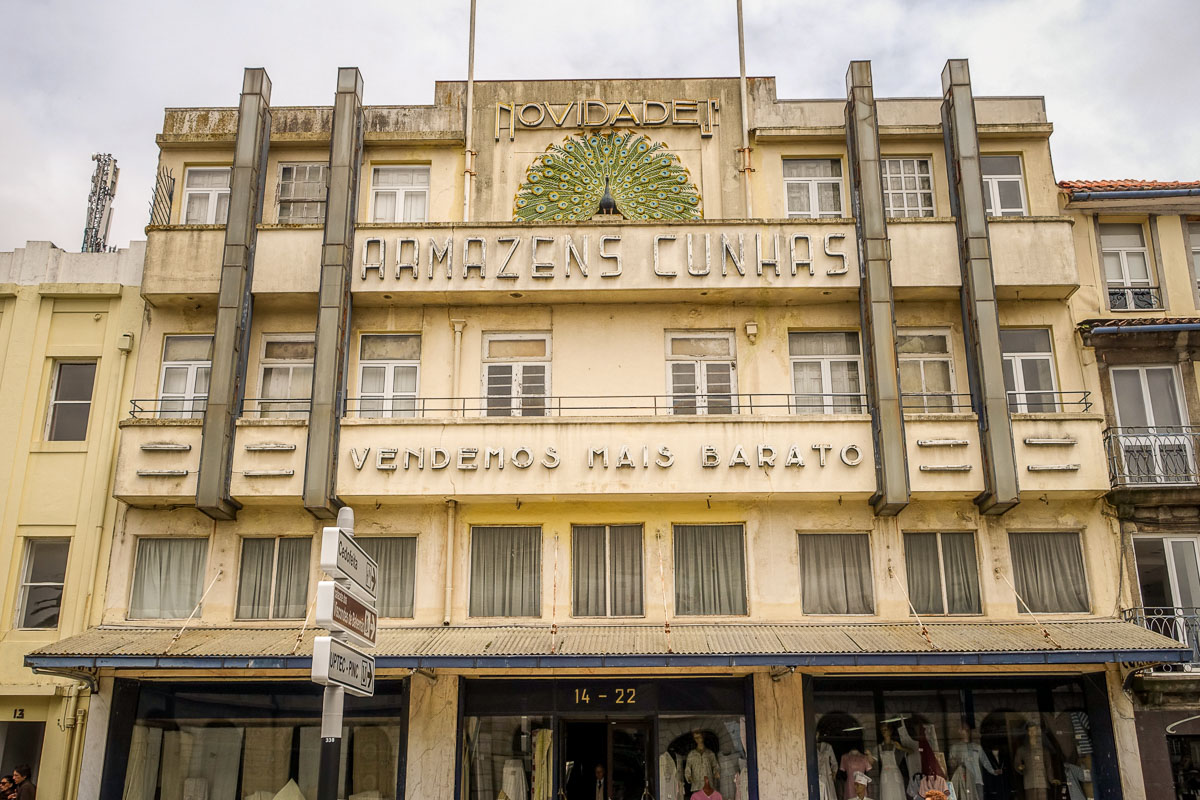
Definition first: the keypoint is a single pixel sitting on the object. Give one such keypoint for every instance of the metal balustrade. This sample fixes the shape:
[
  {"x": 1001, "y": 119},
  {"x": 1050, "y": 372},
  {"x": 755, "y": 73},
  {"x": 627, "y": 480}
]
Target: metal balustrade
[
  {"x": 1134, "y": 298},
  {"x": 1152, "y": 456},
  {"x": 1048, "y": 402},
  {"x": 1181, "y": 623}
]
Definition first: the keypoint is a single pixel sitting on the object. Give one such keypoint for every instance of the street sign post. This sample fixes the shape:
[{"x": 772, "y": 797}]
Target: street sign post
[
  {"x": 340, "y": 611},
  {"x": 346, "y": 606}
]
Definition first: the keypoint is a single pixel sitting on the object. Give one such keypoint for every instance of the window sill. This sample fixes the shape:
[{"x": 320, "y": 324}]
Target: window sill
[
  {"x": 281, "y": 422},
  {"x": 185, "y": 227}
]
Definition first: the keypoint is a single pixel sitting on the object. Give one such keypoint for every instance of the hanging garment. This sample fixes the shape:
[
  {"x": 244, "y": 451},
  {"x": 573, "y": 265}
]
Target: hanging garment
[
  {"x": 891, "y": 782},
  {"x": 929, "y": 760},
  {"x": 1075, "y": 779},
  {"x": 827, "y": 767},
  {"x": 513, "y": 783},
  {"x": 930, "y": 783},
  {"x": 997, "y": 783},
  {"x": 964, "y": 785},
  {"x": 701, "y": 765},
  {"x": 852, "y": 762},
  {"x": 700, "y": 795},
  {"x": 670, "y": 787}
]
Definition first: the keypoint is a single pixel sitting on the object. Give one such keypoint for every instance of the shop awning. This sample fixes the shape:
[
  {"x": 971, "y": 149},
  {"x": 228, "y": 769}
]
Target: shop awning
[{"x": 711, "y": 645}]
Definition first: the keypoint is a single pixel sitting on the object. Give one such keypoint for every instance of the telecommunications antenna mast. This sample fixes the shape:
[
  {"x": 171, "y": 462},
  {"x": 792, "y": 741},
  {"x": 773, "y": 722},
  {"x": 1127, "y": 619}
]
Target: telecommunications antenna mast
[{"x": 100, "y": 200}]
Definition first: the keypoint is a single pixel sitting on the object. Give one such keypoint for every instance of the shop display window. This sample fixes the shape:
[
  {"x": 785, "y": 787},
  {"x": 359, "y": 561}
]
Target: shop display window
[
  {"x": 1013, "y": 740},
  {"x": 256, "y": 741}
]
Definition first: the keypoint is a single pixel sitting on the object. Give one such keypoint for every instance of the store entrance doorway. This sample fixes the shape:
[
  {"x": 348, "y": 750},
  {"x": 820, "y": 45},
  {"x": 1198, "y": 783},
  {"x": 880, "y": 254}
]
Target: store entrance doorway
[{"x": 607, "y": 758}]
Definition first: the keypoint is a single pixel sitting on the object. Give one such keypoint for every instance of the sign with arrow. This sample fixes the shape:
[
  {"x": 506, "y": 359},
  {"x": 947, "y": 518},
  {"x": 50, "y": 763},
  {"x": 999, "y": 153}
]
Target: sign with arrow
[
  {"x": 341, "y": 612},
  {"x": 348, "y": 564},
  {"x": 336, "y": 663}
]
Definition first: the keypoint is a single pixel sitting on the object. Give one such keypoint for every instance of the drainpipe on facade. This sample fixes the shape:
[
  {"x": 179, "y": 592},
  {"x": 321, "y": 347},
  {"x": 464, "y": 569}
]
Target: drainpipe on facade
[
  {"x": 468, "y": 153},
  {"x": 746, "y": 169},
  {"x": 459, "y": 325},
  {"x": 451, "y": 513}
]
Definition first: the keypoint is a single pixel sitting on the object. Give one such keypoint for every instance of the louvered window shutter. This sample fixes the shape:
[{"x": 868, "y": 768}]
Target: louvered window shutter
[
  {"x": 499, "y": 389},
  {"x": 684, "y": 386}
]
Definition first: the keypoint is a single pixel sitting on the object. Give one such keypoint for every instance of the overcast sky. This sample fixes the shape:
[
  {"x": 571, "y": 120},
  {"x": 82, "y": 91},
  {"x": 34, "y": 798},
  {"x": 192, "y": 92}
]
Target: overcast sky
[{"x": 79, "y": 76}]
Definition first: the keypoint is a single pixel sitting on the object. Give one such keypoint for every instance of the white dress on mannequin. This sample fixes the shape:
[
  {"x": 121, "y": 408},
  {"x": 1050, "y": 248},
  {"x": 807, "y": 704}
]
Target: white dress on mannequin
[
  {"x": 891, "y": 782},
  {"x": 827, "y": 766}
]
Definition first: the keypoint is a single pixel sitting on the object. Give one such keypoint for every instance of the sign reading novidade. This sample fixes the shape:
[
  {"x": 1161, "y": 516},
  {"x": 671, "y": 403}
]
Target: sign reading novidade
[
  {"x": 596, "y": 113},
  {"x": 346, "y": 562},
  {"x": 340, "y": 611},
  {"x": 336, "y": 663}
]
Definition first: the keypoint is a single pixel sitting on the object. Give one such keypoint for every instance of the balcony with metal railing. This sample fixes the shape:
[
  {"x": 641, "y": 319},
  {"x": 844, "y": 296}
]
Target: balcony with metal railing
[
  {"x": 1151, "y": 457},
  {"x": 1181, "y": 623},
  {"x": 1123, "y": 297}
]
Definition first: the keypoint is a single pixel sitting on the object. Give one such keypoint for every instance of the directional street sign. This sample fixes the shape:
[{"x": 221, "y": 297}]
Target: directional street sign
[
  {"x": 338, "y": 664},
  {"x": 346, "y": 562},
  {"x": 342, "y": 612}
]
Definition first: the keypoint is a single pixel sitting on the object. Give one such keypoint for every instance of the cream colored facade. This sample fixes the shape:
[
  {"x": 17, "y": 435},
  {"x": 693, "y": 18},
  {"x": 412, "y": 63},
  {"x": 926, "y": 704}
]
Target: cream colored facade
[
  {"x": 611, "y": 446},
  {"x": 57, "y": 308}
]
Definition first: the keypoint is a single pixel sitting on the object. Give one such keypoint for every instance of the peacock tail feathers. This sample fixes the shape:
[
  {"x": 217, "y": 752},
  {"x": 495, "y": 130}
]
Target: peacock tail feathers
[{"x": 646, "y": 180}]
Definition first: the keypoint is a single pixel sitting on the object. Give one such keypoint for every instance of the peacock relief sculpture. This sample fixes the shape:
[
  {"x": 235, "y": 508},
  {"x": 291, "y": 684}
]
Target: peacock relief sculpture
[{"x": 605, "y": 172}]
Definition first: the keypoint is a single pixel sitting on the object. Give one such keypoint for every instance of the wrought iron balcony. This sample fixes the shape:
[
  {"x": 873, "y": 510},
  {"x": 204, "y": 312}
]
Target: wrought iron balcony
[
  {"x": 1181, "y": 623},
  {"x": 1152, "y": 456},
  {"x": 1134, "y": 298}
]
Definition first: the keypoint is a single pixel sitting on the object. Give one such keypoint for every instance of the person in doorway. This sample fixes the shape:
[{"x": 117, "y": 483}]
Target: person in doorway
[
  {"x": 23, "y": 778},
  {"x": 7, "y": 790},
  {"x": 706, "y": 792},
  {"x": 601, "y": 790},
  {"x": 701, "y": 765}
]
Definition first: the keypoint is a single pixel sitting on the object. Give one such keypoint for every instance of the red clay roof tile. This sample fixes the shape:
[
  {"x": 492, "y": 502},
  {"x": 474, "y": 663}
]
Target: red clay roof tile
[{"x": 1124, "y": 184}]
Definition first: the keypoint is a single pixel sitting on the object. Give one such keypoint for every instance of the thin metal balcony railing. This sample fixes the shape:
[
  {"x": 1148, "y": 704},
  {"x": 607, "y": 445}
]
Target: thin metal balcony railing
[
  {"x": 1181, "y": 623},
  {"x": 1048, "y": 402},
  {"x": 1152, "y": 456},
  {"x": 193, "y": 408},
  {"x": 1134, "y": 298}
]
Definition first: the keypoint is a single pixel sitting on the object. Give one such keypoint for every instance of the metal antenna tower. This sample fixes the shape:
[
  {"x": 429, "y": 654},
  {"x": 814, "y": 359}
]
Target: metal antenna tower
[{"x": 100, "y": 200}]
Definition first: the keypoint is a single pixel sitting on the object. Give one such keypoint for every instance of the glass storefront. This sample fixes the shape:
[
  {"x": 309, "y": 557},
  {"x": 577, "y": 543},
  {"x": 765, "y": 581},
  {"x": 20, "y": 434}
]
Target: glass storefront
[
  {"x": 995, "y": 739},
  {"x": 253, "y": 741},
  {"x": 616, "y": 739}
]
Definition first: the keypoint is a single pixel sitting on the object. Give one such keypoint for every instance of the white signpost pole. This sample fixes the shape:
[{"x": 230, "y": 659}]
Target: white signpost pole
[{"x": 347, "y": 608}]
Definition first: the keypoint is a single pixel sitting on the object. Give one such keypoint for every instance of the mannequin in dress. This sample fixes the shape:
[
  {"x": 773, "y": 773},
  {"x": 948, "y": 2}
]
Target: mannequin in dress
[
  {"x": 1030, "y": 763},
  {"x": 701, "y": 764},
  {"x": 891, "y": 782},
  {"x": 827, "y": 767},
  {"x": 968, "y": 763},
  {"x": 852, "y": 762}
]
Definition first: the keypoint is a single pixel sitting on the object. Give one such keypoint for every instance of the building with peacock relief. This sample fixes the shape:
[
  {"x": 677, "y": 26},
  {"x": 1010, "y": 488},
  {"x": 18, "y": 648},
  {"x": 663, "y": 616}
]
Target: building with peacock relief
[{"x": 709, "y": 444}]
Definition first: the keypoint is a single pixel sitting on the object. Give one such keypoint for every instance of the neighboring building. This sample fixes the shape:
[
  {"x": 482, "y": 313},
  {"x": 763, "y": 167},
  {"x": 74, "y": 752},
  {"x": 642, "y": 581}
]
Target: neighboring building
[
  {"x": 659, "y": 451},
  {"x": 67, "y": 327},
  {"x": 1139, "y": 258}
]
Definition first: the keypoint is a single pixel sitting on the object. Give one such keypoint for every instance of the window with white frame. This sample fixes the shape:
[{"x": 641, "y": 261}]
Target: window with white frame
[
  {"x": 397, "y": 559},
  {"x": 813, "y": 187},
  {"x": 302, "y": 190},
  {"x": 826, "y": 372},
  {"x": 1194, "y": 244},
  {"x": 516, "y": 374},
  {"x": 1127, "y": 267},
  {"x": 926, "y": 369},
  {"x": 1029, "y": 370},
  {"x": 70, "y": 401},
  {"x": 400, "y": 194},
  {"x": 702, "y": 372},
  {"x": 286, "y": 375},
  {"x": 168, "y": 577},
  {"x": 183, "y": 385},
  {"x": 206, "y": 195},
  {"x": 907, "y": 187},
  {"x": 1151, "y": 415},
  {"x": 388, "y": 371},
  {"x": 606, "y": 570},
  {"x": 42, "y": 579},
  {"x": 710, "y": 570},
  {"x": 1048, "y": 573},
  {"x": 835, "y": 574},
  {"x": 273, "y": 579},
  {"x": 506, "y": 571},
  {"x": 1003, "y": 186},
  {"x": 943, "y": 572}
]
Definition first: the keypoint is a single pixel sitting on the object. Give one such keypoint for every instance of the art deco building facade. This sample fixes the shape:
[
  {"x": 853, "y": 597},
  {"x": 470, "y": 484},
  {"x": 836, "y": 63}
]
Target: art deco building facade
[{"x": 748, "y": 458}]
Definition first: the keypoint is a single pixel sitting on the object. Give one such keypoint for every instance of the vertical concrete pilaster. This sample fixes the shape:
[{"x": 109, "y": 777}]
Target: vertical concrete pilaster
[
  {"x": 981, "y": 320},
  {"x": 875, "y": 293},
  {"x": 235, "y": 303},
  {"x": 333, "y": 313}
]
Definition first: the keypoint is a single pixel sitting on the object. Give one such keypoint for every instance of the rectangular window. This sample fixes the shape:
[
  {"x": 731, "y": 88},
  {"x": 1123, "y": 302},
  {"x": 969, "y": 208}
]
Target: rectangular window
[
  {"x": 907, "y": 187},
  {"x": 516, "y": 374},
  {"x": 826, "y": 372},
  {"x": 1003, "y": 186},
  {"x": 606, "y": 570},
  {"x": 397, "y": 559},
  {"x": 42, "y": 579},
  {"x": 813, "y": 187},
  {"x": 506, "y": 571},
  {"x": 1029, "y": 370},
  {"x": 1048, "y": 573},
  {"x": 701, "y": 372},
  {"x": 388, "y": 368},
  {"x": 1194, "y": 244},
  {"x": 206, "y": 196},
  {"x": 286, "y": 384},
  {"x": 274, "y": 578},
  {"x": 70, "y": 401},
  {"x": 710, "y": 570},
  {"x": 1127, "y": 267},
  {"x": 302, "y": 190},
  {"x": 926, "y": 370},
  {"x": 835, "y": 574},
  {"x": 168, "y": 578},
  {"x": 1151, "y": 416},
  {"x": 183, "y": 386},
  {"x": 400, "y": 194},
  {"x": 943, "y": 573}
]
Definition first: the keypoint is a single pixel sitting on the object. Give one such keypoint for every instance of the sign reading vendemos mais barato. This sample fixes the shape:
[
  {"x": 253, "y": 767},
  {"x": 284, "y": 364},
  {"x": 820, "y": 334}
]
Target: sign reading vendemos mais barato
[{"x": 596, "y": 113}]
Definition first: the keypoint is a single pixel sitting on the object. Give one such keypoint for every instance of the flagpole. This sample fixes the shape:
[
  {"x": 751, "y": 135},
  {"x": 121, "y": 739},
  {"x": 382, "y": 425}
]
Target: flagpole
[
  {"x": 745, "y": 151},
  {"x": 469, "y": 154}
]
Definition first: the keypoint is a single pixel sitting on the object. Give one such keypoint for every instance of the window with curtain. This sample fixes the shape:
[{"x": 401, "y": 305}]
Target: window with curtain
[
  {"x": 400, "y": 194},
  {"x": 703, "y": 377},
  {"x": 183, "y": 387},
  {"x": 206, "y": 195},
  {"x": 835, "y": 574},
  {"x": 813, "y": 187},
  {"x": 506, "y": 571},
  {"x": 287, "y": 369},
  {"x": 1048, "y": 572},
  {"x": 926, "y": 370},
  {"x": 397, "y": 560},
  {"x": 168, "y": 578},
  {"x": 943, "y": 572},
  {"x": 388, "y": 366},
  {"x": 1127, "y": 269},
  {"x": 826, "y": 372},
  {"x": 710, "y": 569},
  {"x": 606, "y": 563},
  {"x": 273, "y": 582},
  {"x": 1029, "y": 369}
]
